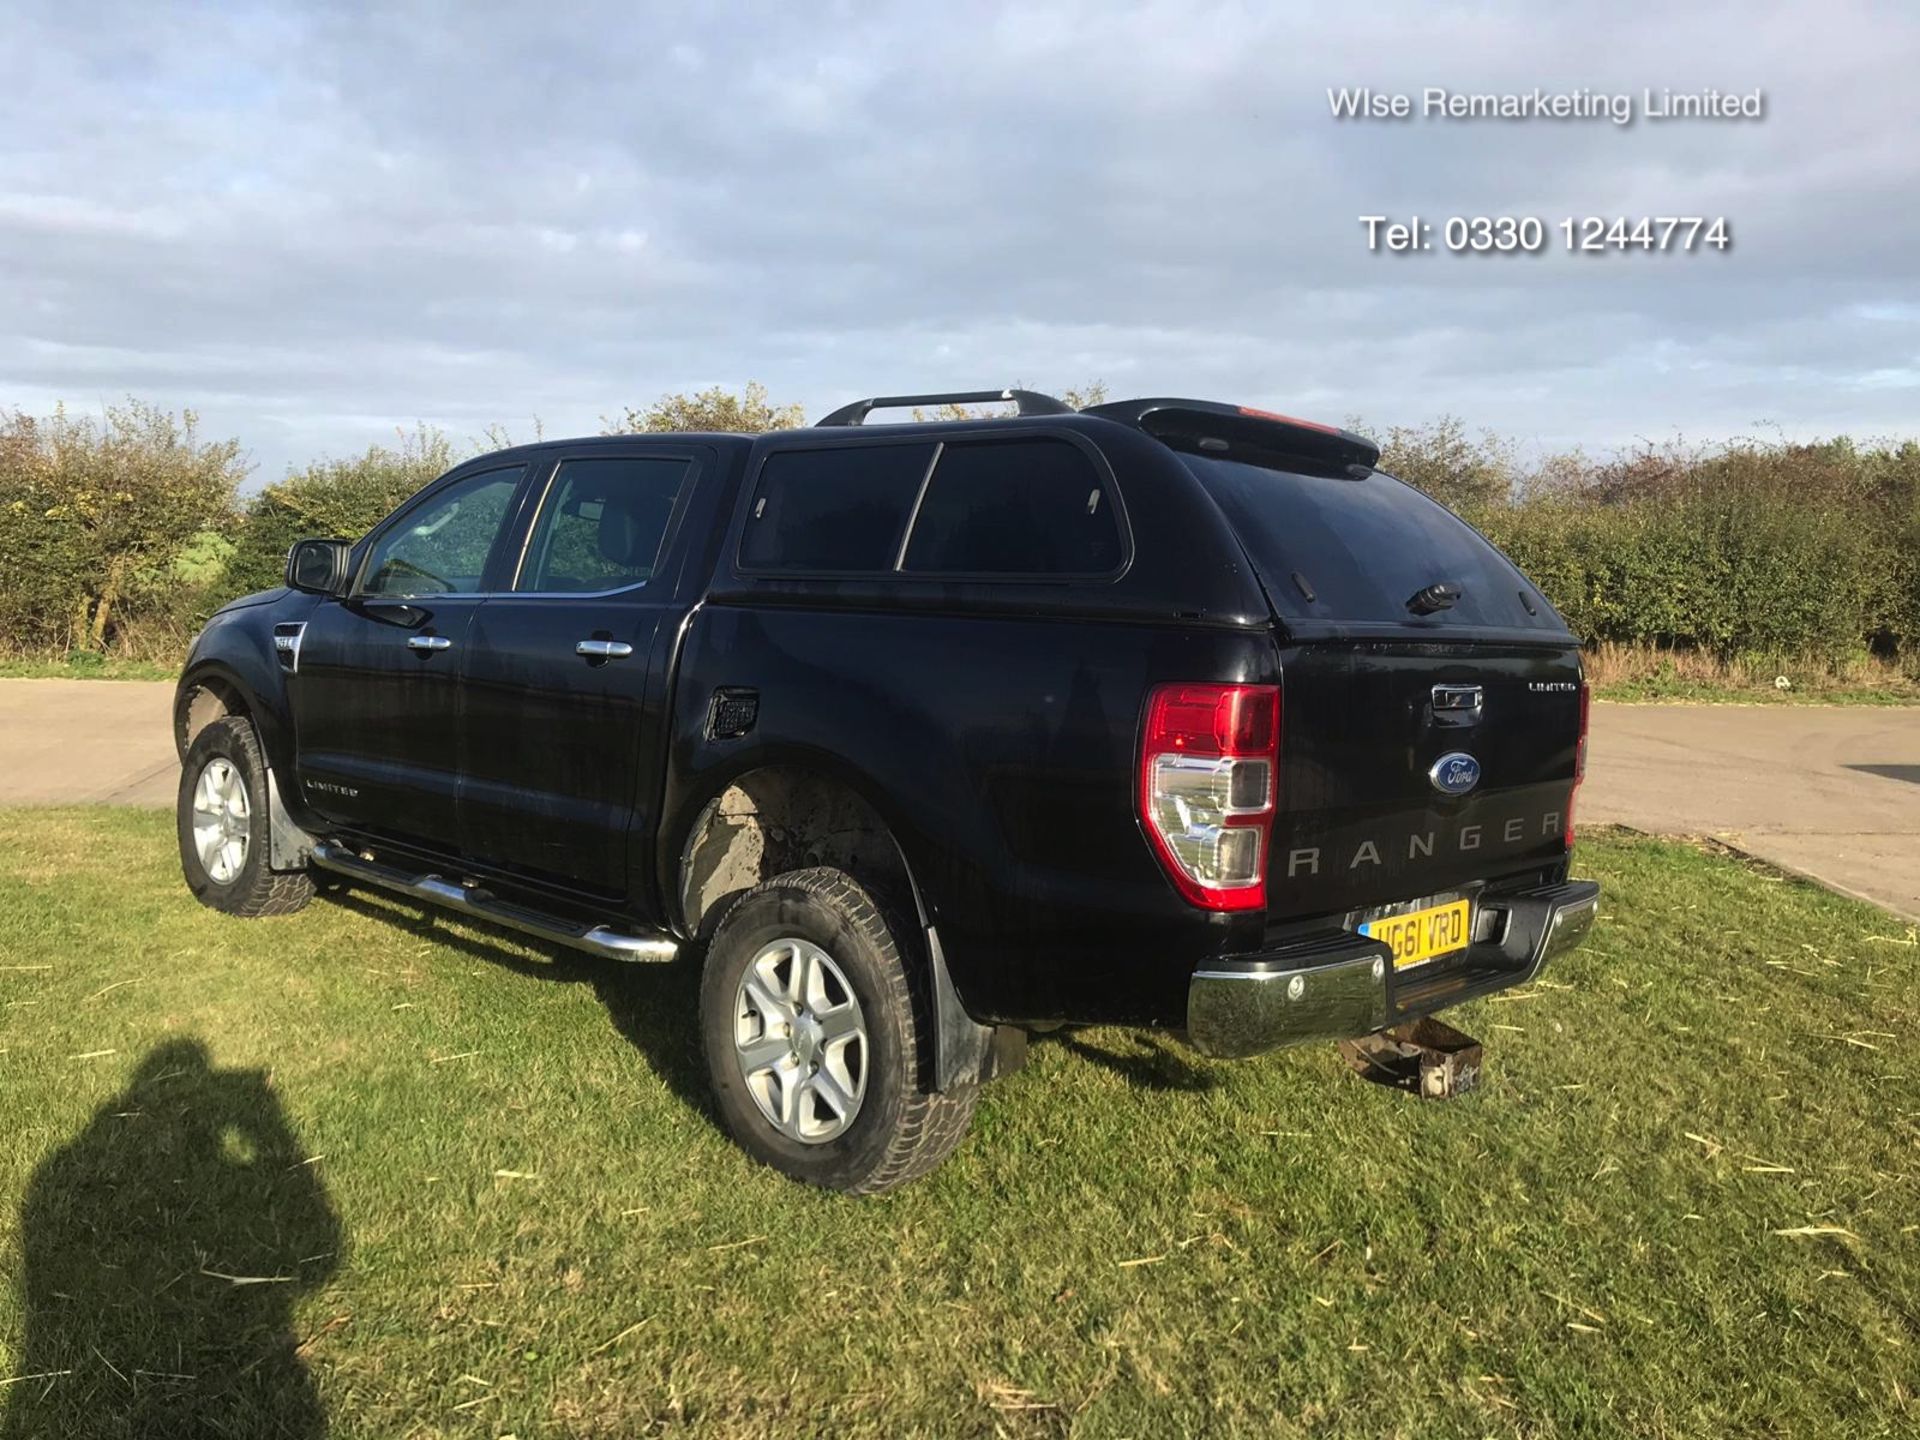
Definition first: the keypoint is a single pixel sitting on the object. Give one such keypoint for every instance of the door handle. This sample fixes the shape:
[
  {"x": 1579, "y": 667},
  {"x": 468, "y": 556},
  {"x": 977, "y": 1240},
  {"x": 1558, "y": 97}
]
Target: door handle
[
  {"x": 429, "y": 642},
  {"x": 603, "y": 649}
]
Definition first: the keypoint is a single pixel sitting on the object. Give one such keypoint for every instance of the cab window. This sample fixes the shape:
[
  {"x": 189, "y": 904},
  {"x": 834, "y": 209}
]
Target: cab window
[
  {"x": 441, "y": 545},
  {"x": 602, "y": 524}
]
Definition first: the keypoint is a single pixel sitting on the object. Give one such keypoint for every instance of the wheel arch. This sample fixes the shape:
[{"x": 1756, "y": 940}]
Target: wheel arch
[
  {"x": 212, "y": 689},
  {"x": 233, "y": 671},
  {"x": 775, "y": 812},
  {"x": 207, "y": 692}
]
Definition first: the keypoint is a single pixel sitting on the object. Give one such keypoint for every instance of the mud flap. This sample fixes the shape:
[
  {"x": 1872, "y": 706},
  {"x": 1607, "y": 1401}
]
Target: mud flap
[
  {"x": 288, "y": 846},
  {"x": 965, "y": 1051}
]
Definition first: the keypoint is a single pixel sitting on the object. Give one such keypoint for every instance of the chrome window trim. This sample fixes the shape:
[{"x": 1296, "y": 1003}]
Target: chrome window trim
[
  {"x": 519, "y": 594},
  {"x": 565, "y": 594},
  {"x": 533, "y": 524},
  {"x": 919, "y": 499}
]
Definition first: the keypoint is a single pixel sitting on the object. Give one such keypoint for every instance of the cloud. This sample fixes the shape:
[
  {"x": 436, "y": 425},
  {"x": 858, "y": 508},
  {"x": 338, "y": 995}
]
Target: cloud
[{"x": 314, "y": 223}]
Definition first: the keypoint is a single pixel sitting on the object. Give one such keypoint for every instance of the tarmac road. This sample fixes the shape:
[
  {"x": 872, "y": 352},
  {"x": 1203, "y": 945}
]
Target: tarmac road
[
  {"x": 1832, "y": 792},
  {"x": 81, "y": 742}
]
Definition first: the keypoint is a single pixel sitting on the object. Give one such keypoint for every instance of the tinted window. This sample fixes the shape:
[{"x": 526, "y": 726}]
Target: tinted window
[
  {"x": 1015, "y": 507},
  {"x": 602, "y": 523},
  {"x": 837, "y": 509},
  {"x": 1363, "y": 547},
  {"x": 440, "y": 546}
]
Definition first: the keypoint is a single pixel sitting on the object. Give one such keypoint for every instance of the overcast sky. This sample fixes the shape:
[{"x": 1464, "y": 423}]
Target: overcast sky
[{"x": 316, "y": 222}]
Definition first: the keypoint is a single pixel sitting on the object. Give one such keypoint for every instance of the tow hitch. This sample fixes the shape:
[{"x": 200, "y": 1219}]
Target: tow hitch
[{"x": 1428, "y": 1058}]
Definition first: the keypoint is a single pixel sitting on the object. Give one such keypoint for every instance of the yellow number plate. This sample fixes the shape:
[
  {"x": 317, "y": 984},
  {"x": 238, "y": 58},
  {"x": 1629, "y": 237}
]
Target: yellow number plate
[{"x": 1422, "y": 935}]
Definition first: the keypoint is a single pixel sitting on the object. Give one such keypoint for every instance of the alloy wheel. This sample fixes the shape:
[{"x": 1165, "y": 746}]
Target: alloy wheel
[
  {"x": 801, "y": 1041},
  {"x": 222, "y": 821}
]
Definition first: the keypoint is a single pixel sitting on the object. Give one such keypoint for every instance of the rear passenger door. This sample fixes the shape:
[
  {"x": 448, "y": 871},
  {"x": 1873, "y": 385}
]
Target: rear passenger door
[{"x": 559, "y": 708}]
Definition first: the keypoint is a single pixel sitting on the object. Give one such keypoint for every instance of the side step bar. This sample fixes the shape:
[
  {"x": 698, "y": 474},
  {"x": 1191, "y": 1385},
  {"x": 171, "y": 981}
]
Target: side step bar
[{"x": 598, "y": 940}]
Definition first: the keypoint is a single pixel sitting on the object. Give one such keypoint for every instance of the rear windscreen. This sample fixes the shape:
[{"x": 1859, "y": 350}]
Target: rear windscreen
[{"x": 1334, "y": 548}]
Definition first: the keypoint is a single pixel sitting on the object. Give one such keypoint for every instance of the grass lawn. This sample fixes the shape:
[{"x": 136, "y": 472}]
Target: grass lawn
[{"x": 364, "y": 1173}]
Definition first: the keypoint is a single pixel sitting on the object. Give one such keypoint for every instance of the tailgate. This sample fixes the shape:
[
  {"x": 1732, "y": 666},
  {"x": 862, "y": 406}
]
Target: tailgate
[{"x": 1366, "y": 810}]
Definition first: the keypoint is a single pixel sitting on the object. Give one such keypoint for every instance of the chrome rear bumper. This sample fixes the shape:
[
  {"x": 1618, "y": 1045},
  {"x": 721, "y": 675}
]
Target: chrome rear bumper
[{"x": 1338, "y": 984}]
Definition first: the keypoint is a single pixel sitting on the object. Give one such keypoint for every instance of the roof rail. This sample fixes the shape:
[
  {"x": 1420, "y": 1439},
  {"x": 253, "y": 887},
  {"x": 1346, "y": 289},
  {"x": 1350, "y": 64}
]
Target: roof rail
[{"x": 1030, "y": 402}]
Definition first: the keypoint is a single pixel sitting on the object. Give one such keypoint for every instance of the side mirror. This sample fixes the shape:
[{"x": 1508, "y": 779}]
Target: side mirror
[{"x": 318, "y": 567}]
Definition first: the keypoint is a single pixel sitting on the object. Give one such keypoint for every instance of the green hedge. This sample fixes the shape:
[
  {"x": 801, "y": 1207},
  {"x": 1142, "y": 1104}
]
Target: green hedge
[
  {"x": 1732, "y": 579},
  {"x": 329, "y": 499},
  {"x": 120, "y": 534},
  {"x": 104, "y": 523},
  {"x": 1745, "y": 550}
]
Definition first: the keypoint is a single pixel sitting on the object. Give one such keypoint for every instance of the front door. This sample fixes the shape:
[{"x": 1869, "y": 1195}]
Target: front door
[
  {"x": 376, "y": 696},
  {"x": 559, "y": 709}
]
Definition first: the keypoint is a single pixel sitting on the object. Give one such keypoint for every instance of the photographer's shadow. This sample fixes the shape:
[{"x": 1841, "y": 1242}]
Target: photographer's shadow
[{"x": 164, "y": 1249}]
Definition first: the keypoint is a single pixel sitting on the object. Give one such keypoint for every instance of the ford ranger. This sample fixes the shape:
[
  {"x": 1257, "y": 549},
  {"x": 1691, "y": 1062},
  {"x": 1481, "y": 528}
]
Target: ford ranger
[{"x": 921, "y": 737}]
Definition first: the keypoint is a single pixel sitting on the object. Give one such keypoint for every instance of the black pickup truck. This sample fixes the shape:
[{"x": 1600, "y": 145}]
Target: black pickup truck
[{"x": 921, "y": 737}]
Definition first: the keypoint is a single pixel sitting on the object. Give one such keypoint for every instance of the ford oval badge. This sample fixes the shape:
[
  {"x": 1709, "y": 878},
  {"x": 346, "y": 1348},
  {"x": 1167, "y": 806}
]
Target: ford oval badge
[{"x": 1455, "y": 773}]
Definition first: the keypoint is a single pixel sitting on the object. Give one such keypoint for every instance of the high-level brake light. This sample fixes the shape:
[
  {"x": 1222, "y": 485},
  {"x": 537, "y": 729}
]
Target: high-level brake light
[
  {"x": 1252, "y": 413},
  {"x": 1208, "y": 770}
]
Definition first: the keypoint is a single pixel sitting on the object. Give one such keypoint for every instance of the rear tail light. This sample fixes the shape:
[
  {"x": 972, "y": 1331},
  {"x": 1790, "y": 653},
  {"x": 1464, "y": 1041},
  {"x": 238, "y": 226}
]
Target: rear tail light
[
  {"x": 1208, "y": 769},
  {"x": 1579, "y": 758}
]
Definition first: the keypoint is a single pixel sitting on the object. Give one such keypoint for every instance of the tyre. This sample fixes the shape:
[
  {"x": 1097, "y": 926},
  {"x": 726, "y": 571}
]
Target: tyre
[
  {"x": 818, "y": 1034},
  {"x": 223, "y": 823}
]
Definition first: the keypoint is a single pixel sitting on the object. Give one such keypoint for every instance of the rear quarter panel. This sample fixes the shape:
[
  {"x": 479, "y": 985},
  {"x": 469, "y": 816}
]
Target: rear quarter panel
[{"x": 1001, "y": 750}]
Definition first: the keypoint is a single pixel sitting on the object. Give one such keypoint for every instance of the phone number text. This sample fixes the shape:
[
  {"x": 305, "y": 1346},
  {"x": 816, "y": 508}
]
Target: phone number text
[{"x": 1529, "y": 234}]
